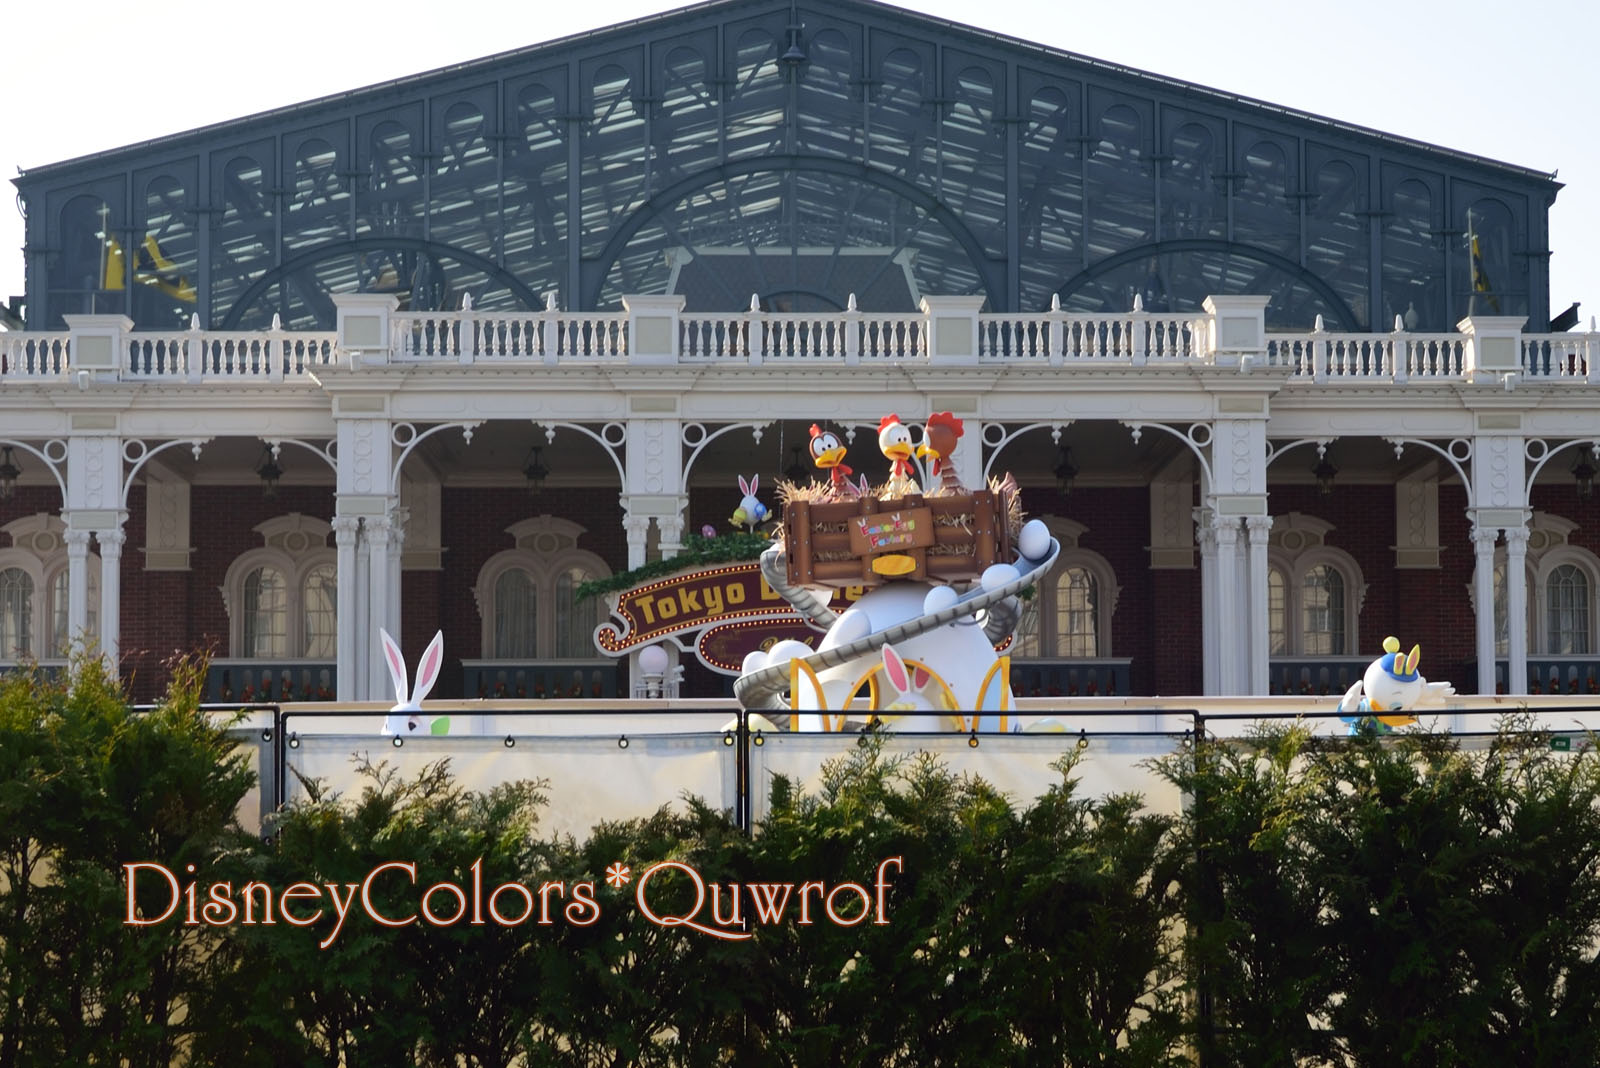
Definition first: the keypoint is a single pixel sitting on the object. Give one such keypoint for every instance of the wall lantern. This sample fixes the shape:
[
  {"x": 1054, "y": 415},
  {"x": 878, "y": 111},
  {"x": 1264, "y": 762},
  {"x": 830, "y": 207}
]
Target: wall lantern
[
  {"x": 1066, "y": 471},
  {"x": 534, "y": 471},
  {"x": 269, "y": 472},
  {"x": 9, "y": 472}
]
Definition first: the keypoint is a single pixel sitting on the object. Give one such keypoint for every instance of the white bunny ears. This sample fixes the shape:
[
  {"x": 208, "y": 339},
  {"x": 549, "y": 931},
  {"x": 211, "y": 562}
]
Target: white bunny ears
[{"x": 407, "y": 700}]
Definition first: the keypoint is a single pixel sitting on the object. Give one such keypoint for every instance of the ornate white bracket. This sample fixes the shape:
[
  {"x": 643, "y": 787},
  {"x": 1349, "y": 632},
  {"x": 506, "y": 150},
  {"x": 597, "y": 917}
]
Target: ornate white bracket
[
  {"x": 412, "y": 439},
  {"x": 1449, "y": 452},
  {"x": 694, "y": 435},
  {"x": 1543, "y": 454},
  {"x": 51, "y": 462},
  {"x": 328, "y": 455},
  {"x": 142, "y": 456},
  {"x": 611, "y": 438},
  {"x": 1197, "y": 437},
  {"x": 1321, "y": 443},
  {"x": 994, "y": 446}
]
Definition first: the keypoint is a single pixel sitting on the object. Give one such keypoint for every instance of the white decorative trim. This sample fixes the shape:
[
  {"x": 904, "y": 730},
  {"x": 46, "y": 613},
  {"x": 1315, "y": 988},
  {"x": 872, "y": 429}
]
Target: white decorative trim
[
  {"x": 295, "y": 544},
  {"x": 543, "y": 564}
]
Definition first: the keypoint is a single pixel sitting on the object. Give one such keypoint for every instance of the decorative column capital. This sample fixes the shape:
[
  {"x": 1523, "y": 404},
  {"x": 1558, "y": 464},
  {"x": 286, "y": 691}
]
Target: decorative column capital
[
  {"x": 397, "y": 527},
  {"x": 1226, "y": 530},
  {"x": 378, "y": 528},
  {"x": 1259, "y": 528},
  {"x": 77, "y": 542},
  {"x": 110, "y": 542},
  {"x": 671, "y": 527},
  {"x": 345, "y": 529},
  {"x": 1516, "y": 541},
  {"x": 637, "y": 526},
  {"x": 1483, "y": 539}
]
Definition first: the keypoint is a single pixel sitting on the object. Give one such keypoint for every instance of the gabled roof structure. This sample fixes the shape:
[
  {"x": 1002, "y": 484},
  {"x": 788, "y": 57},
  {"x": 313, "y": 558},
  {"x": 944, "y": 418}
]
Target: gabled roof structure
[{"x": 800, "y": 153}]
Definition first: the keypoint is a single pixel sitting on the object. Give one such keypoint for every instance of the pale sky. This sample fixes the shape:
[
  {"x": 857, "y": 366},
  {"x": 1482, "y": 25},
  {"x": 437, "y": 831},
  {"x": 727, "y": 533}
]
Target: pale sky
[{"x": 1514, "y": 82}]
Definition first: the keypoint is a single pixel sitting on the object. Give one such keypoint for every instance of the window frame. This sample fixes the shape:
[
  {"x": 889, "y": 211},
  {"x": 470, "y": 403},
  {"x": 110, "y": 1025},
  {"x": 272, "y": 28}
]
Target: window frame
[
  {"x": 546, "y": 548},
  {"x": 43, "y": 566},
  {"x": 1548, "y": 549},
  {"x": 1042, "y": 608},
  {"x": 295, "y": 563},
  {"x": 1298, "y": 545}
]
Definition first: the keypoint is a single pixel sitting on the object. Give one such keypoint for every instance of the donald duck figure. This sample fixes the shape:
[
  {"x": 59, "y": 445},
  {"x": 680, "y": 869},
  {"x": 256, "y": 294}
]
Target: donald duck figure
[{"x": 1383, "y": 698}]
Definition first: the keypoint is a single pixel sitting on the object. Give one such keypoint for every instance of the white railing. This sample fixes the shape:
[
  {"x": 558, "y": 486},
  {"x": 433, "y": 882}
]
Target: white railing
[
  {"x": 539, "y": 337},
  {"x": 947, "y": 332},
  {"x": 35, "y": 356},
  {"x": 1561, "y": 355}
]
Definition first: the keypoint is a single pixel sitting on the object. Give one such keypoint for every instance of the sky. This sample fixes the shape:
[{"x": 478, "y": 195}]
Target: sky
[{"x": 1513, "y": 82}]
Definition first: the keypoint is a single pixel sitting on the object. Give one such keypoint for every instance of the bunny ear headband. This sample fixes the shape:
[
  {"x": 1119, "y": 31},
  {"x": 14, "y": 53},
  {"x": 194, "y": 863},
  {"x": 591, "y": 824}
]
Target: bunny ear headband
[{"x": 427, "y": 670}]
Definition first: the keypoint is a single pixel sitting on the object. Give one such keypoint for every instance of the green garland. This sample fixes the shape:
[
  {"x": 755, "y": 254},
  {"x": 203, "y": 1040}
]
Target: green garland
[{"x": 697, "y": 550}]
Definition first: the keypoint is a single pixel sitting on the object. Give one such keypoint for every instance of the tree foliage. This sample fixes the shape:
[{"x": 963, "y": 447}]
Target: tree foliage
[{"x": 1374, "y": 901}]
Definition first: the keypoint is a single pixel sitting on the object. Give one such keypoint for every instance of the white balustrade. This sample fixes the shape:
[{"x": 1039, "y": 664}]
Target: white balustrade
[
  {"x": 33, "y": 356},
  {"x": 1561, "y": 356},
  {"x": 753, "y": 338}
]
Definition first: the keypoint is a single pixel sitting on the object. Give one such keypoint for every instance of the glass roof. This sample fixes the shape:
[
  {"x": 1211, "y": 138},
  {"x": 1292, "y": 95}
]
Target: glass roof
[{"x": 800, "y": 155}]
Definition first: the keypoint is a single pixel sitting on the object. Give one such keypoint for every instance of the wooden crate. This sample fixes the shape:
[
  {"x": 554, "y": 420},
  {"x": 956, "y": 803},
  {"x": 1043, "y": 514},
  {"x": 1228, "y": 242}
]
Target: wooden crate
[{"x": 958, "y": 552}]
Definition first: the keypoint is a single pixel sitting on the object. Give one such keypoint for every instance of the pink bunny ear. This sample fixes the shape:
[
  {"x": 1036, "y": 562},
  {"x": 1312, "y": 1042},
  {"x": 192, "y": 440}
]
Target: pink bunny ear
[
  {"x": 920, "y": 676},
  {"x": 895, "y": 669},
  {"x": 428, "y": 670},
  {"x": 755, "y": 484},
  {"x": 397, "y": 667},
  {"x": 744, "y": 487}
]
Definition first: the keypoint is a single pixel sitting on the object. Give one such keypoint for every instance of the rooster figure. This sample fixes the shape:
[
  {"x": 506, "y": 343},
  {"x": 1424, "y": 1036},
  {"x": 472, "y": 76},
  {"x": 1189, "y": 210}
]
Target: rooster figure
[
  {"x": 939, "y": 440},
  {"x": 894, "y": 441},
  {"x": 827, "y": 452}
]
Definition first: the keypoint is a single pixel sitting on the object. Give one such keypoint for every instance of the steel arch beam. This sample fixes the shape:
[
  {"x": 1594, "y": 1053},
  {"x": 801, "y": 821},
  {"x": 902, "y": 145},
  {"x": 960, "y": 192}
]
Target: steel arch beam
[
  {"x": 594, "y": 271},
  {"x": 376, "y": 244},
  {"x": 1201, "y": 244}
]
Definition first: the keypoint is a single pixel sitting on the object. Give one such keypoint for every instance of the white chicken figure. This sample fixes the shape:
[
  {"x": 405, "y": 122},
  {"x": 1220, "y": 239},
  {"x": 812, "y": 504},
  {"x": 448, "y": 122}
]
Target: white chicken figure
[
  {"x": 894, "y": 441},
  {"x": 1390, "y": 690},
  {"x": 405, "y": 718}
]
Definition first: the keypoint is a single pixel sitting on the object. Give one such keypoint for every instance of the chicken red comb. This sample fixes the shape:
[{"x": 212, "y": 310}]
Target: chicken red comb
[
  {"x": 887, "y": 421},
  {"x": 815, "y": 430},
  {"x": 946, "y": 419}
]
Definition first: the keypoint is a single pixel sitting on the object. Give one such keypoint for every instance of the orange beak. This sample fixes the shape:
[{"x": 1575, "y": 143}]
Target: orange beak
[
  {"x": 926, "y": 450},
  {"x": 898, "y": 452},
  {"x": 831, "y": 457}
]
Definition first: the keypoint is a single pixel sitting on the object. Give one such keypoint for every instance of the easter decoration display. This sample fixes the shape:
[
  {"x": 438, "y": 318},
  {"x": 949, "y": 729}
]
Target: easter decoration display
[
  {"x": 827, "y": 452},
  {"x": 405, "y": 718},
  {"x": 941, "y": 576},
  {"x": 1390, "y": 690},
  {"x": 939, "y": 441},
  {"x": 751, "y": 512}
]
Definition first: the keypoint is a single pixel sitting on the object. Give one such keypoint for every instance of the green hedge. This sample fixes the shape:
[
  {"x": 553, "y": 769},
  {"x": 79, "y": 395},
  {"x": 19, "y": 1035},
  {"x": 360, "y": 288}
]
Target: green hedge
[{"x": 1371, "y": 902}]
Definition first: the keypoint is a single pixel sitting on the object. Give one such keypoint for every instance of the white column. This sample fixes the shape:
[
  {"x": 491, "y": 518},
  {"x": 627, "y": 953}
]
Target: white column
[
  {"x": 366, "y": 643},
  {"x": 1228, "y": 598},
  {"x": 111, "y": 542},
  {"x": 345, "y": 530},
  {"x": 1206, "y": 535},
  {"x": 1517, "y": 609},
  {"x": 77, "y": 582},
  {"x": 379, "y": 528},
  {"x": 671, "y": 527},
  {"x": 638, "y": 531},
  {"x": 1483, "y": 539},
  {"x": 1258, "y": 527},
  {"x": 397, "y": 538}
]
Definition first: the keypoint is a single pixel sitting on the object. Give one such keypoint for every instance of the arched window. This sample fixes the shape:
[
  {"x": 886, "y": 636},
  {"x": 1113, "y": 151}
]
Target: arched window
[
  {"x": 1566, "y": 591},
  {"x": 282, "y": 599},
  {"x": 1322, "y": 627},
  {"x": 1314, "y": 591},
  {"x": 516, "y": 611},
  {"x": 1563, "y": 598},
  {"x": 1070, "y": 613},
  {"x": 34, "y": 589},
  {"x": 319, "y": 604},
  {"x": 16, "y": 614},
  {"x": 527, "y": 596},
  {"x": 266, "y": 613}
]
